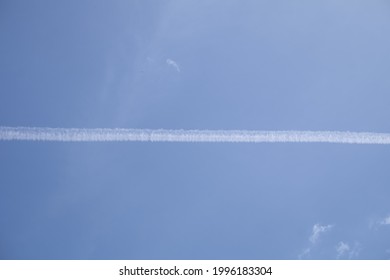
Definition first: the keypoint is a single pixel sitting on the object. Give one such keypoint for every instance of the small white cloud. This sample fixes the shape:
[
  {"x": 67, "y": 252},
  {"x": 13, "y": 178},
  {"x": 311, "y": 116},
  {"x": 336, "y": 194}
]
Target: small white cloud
[
  {"x": 385, "y": 221},
  {"x": 317, "y": 231},
  {"x": 173, "y": 63},
  {"x": 345, "y": 250},
  {"x": 342, "y": 248},
  {"x": 376, "y": 224},
  {"x": 314, "y": 237}
]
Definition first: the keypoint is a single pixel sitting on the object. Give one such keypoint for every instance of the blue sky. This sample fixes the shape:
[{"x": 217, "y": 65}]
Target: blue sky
[{"x": 264, "y": 65}]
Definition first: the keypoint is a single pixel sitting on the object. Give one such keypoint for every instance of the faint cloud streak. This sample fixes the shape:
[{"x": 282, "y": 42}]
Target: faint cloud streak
[
  {"x": 305, "y": 254},
  {"x": 385, "y": 221},
  {"x": 344, "y": 250},
  {"x": 173, "y": 63},
  {"x": 317, "y": 231}
]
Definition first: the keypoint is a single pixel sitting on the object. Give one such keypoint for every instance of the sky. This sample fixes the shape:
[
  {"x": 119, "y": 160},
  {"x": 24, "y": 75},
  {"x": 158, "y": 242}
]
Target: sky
[{"x": 215, "y": 64}]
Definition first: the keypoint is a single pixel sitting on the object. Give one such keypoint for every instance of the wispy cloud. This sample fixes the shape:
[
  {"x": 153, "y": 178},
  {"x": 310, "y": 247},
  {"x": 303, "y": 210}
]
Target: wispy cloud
[
  {"x": 317, "y": 231},
  {"x": 305, "y": 254},
  {"x": 344, "y": 250},
  {"x": 169, "y": 135},
  {"x": 376, "y": 224},
  {"x": 173, "y": 63},
  {"x": 385, "y": 221}
]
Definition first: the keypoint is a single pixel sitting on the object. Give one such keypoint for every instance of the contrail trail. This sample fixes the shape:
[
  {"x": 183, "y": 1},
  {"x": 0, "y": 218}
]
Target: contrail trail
[{"x": 167, "y": 135}]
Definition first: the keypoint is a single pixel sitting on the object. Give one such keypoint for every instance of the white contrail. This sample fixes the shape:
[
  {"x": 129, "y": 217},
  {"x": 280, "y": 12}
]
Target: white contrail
[{"x": 165, "y": 135}]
